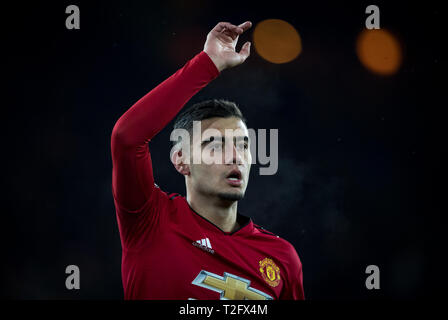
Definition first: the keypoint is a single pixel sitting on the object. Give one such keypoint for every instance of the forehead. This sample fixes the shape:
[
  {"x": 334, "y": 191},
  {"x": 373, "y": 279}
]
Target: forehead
[{"x": 223, "y": 124}]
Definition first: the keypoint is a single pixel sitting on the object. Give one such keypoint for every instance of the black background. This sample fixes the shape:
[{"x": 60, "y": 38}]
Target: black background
[{"x": 358, "y": 152}]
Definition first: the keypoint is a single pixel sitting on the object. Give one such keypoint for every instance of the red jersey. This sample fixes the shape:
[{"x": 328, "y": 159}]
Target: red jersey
[{"x": 169, "y": 251}]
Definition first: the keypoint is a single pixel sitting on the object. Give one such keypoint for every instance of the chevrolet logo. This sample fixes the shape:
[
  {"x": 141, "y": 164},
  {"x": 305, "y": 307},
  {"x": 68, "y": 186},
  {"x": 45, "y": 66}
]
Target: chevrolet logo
[{"x": 230, "y": 287}]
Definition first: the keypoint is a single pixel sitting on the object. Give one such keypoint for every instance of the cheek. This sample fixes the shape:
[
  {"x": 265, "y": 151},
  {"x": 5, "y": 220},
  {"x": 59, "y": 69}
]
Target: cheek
[
  {"x": 203, "y": 173},
  {"x": 249, "y": 158}
]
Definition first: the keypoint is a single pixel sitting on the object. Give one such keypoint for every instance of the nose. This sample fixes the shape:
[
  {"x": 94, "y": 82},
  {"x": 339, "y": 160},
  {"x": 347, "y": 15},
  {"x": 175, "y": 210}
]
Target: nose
[{"x": 234, "y": 157}]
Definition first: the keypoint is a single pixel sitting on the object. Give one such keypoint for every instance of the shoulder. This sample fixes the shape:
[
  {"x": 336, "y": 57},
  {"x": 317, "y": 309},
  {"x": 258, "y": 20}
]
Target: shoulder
[
  {"x": 165, "y": 194},
  {"x": 172, "y": 200},
  {"x": 262, "y": 230},
  {"x": 162, "y": 200},
  {"x": 280, "y": 247},
  {"x": 175, "y": 202}
]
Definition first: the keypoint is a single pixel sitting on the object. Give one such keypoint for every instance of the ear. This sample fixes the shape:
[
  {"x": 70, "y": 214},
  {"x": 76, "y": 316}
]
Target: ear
[{"x": 179, "y": 162}]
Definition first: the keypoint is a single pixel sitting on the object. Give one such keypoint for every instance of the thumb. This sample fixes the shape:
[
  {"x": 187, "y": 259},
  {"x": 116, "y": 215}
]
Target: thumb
[{"x": 245, "y": 50}]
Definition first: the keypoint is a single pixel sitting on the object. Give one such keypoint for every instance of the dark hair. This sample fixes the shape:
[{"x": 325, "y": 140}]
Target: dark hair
[{"x": 205, "y": 110}]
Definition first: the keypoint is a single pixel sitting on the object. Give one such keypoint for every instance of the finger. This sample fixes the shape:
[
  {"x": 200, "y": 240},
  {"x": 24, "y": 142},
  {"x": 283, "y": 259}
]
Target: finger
[
  {"x": 225, "y": 25},
  {"x": 245, "y": 50},
  {"x": 233, "y": 31},
  {"x": 225, "y": 36},
  {"x": 245, "y": 25}
]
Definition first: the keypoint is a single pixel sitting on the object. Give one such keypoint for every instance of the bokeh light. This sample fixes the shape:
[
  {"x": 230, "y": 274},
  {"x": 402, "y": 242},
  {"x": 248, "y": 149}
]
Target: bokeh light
[
  {"x": 277, "y": 41},
  {"x": 379, "y": 51}
]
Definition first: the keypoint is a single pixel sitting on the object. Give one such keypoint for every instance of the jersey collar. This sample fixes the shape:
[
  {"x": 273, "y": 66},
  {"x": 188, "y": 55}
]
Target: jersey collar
[{"x": 246, "y": 223}]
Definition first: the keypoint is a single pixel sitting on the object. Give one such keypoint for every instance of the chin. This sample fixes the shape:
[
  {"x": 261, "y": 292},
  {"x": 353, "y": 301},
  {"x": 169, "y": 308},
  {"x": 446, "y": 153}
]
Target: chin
[{"x": 231, "y": 196}]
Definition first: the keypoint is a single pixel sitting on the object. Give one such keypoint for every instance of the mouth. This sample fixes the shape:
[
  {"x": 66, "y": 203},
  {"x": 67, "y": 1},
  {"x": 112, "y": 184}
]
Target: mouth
[{"x": 234, "y": 178}]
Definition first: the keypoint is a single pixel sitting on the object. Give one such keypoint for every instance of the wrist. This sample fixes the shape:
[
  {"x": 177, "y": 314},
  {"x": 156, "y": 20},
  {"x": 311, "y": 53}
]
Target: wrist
[{"x": 219, "y": 65}]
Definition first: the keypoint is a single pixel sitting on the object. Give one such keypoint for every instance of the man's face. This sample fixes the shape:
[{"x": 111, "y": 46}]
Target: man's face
[{"x": 225, "y": 159}]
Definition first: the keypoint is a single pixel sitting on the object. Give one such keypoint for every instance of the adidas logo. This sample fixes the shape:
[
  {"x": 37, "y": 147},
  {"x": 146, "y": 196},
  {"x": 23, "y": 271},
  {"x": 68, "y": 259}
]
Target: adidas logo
[{"x": 204, "y": 244}]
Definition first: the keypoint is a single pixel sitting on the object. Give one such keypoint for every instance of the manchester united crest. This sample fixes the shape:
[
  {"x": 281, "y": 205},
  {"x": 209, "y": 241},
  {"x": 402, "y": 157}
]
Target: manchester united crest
[{"x": 270, "y": 272}]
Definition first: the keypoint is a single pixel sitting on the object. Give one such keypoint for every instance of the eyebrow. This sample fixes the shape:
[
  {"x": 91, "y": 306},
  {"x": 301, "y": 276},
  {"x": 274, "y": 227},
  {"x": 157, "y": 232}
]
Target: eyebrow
[{"x": 222, "y": 139}]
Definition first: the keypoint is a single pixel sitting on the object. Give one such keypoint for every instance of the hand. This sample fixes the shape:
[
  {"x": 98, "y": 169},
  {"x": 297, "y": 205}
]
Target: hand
[{"x": 221, "y": 42}]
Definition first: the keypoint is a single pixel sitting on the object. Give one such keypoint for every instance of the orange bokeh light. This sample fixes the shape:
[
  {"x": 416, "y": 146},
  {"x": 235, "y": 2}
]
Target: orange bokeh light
[
  {"x": 277, "y": 41},
  {"x": 379, "y": 51}
]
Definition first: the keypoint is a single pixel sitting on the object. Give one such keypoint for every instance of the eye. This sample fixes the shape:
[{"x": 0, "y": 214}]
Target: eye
[
  {"x": 242, "y": 146},
  {"x": 216, "y": 146}
]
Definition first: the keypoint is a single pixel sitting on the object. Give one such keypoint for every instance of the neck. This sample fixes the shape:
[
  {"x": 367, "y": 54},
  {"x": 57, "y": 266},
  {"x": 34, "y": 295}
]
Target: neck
[{"x": 220, "y": 212}]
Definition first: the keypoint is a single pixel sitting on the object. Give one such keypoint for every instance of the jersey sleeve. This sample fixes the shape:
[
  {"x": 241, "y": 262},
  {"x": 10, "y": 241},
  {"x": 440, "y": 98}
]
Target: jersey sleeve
[
  {"x": 133, "y": 186},
  {"x": 293, "y": 289}
]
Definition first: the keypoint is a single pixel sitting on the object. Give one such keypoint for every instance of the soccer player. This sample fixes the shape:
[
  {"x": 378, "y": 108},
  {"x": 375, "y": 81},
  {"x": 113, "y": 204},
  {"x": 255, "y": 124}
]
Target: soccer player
[{"x": 198, "y": 246}]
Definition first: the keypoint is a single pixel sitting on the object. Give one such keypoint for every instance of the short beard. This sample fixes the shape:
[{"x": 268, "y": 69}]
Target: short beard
[{"x": 230, "y": 196}]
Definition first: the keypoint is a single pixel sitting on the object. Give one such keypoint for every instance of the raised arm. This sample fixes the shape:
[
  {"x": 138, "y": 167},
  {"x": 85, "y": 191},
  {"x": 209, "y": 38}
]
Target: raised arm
[{"x": 132, "y": 175}]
